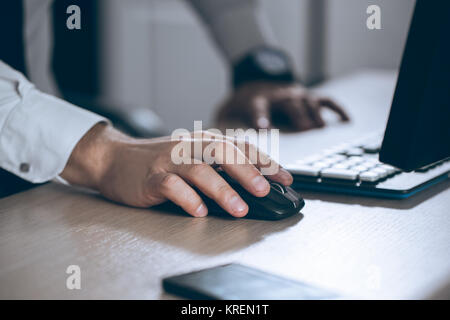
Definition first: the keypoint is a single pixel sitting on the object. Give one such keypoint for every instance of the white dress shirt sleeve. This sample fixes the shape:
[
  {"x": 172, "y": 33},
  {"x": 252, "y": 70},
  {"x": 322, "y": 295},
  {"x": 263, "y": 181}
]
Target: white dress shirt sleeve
[
  {"x": 37, "y": 131},
  {"x": 237, "y": 25}
]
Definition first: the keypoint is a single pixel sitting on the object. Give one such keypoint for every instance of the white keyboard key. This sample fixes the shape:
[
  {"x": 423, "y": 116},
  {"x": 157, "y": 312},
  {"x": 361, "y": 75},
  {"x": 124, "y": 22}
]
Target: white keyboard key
[
  {"x": 303, "y": 170},
  {"x": 355, "y": 160},
  {"x": 389, "y": 169},
  {"x": 341, "y": 165},
  {"x": 368, "y": 164},
  {"x": 372, "y": 160},
  {"x": 369, "y": 176},
  {"x": 382, "y": 172},
  {"x": 348, "y": 164},
  {"x": 339, "y": 174},
  {"x": 360, "y": 168}
]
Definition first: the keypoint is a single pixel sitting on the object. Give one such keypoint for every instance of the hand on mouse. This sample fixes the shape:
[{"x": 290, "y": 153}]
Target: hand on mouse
[
  {"x": 141, "y": 173},
  {"x": 288, "y": 106}
]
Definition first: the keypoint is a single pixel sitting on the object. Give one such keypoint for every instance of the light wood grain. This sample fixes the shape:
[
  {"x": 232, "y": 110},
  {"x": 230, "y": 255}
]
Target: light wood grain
[{"x": 359, "y": 247}]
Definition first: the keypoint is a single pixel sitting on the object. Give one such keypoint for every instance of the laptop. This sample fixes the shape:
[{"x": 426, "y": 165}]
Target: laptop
[{"x": 414, "y": 152}]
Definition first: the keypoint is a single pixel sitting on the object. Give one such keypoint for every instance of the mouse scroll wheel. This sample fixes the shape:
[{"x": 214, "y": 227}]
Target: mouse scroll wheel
[{"x": 280, "y": 188}]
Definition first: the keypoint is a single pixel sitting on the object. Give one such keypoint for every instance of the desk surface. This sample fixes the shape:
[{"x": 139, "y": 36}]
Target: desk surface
[{"x": 360, "y": 247}]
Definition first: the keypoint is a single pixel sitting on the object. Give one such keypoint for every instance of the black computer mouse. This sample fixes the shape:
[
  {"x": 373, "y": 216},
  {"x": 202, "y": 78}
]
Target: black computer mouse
[{"x": 280, "y": 203}]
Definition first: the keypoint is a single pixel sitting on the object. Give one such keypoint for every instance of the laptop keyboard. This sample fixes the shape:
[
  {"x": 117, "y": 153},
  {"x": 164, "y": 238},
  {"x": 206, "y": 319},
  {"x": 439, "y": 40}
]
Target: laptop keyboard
[{"x": 356, "y": 162}]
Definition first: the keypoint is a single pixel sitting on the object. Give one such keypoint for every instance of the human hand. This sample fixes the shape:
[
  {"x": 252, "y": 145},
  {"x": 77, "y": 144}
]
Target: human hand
[
  {"x": 287, "y": 106},
  {"x": 141, "y": 172}
]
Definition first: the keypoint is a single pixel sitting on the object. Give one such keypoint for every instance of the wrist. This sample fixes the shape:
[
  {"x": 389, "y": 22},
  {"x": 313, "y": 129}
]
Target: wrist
[
  {"x": 264, "y": 64},
  {"x": 93, "y": 156}
]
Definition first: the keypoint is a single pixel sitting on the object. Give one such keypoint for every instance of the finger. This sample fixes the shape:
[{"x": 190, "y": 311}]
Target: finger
[
  {"x": 253, "y": 155},
  {"x": 179, "y": 192},
  {"x": 242, "y": 170},
  {"x": 213, "y": 152},
  {"x": 297, "y": 112},
  {"x": 262, "y": 161},
  {"x": 209, "y": 182},
  {"x": 313, "y": 108},
  {"x": 259, "y": 113},
  {"x": 330, "y": 104},
  {"x": 239, "y": 167}
]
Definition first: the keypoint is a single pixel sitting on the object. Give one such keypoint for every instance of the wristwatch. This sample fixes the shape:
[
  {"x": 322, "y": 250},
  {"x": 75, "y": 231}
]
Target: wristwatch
[{"x": 263, "y": 64}]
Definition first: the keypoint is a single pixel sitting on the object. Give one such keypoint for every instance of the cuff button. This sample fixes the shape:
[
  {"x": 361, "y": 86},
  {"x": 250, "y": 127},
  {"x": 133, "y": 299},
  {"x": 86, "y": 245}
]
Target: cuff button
[{"x": 24, "y": 167}]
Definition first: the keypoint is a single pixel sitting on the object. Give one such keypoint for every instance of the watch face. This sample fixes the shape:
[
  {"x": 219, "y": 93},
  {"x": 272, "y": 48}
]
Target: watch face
[{"x": 271, "y": 62}]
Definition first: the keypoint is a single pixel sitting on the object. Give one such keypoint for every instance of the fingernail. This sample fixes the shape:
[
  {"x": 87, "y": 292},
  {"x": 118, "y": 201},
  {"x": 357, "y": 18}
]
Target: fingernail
[
  {"x": 260, "y": 184},
  {"x": 201, "y": 211},
  {"x": 237, "y": 205}
]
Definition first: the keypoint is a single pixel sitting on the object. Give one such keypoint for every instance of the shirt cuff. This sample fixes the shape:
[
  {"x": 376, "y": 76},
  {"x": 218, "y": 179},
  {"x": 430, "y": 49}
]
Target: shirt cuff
[{"x": 39, "y": 131}]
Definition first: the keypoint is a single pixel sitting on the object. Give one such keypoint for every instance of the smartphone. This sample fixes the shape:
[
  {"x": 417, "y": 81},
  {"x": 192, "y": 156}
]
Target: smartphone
[{"x": 238, "y": 282}]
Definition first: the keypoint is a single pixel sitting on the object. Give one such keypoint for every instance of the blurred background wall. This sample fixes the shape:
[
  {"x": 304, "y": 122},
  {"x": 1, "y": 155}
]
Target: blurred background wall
[
  {"x": 155, "y": 53},
  {"x": 350, "y": 45}
]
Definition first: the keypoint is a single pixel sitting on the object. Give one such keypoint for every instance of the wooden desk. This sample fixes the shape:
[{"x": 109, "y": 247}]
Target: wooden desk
[{"x": 362, "y": 247}]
